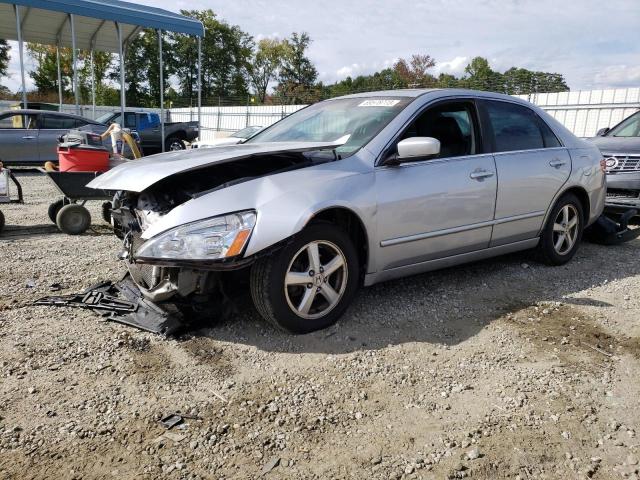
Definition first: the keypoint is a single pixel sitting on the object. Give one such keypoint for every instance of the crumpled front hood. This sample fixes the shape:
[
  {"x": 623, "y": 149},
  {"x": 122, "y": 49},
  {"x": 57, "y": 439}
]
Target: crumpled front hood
[
  {"x": 617, "y": 144},
  {"x": 138, "y": 175}
]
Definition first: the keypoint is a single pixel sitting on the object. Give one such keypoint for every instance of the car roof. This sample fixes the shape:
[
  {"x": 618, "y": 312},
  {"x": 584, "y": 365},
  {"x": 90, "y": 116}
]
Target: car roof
[
  {"x": 436, "y": 92},
  {"x": 30, "y": 111}
]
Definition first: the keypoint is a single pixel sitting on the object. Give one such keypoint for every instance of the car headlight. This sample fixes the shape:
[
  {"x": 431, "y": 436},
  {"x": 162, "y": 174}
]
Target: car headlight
[{"x": 211, "y": 239}]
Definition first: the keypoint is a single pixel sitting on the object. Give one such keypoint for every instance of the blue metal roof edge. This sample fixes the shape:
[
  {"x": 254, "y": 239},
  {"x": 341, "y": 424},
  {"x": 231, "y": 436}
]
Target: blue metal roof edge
[{"x": 119, "y": 11}]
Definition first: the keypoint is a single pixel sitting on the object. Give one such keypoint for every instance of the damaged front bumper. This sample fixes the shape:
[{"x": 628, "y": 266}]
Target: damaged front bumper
[{"x": 124, "y": 303}]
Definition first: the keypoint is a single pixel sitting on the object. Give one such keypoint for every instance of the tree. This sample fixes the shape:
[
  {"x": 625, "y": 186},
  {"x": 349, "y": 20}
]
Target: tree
[
  {"x": 297, "y": 74},
  {"x": 45, "y": 73},
  {"x": 267, "y": 60},
  {"x": 4, "y": 57},
  {"x": 414, "y": 72},
  {"x": 480, "y": 76},
  {"x": 226, "y": 55},
  {"x": 102, "y": 63},
  {"x": 136, "y": 69}
]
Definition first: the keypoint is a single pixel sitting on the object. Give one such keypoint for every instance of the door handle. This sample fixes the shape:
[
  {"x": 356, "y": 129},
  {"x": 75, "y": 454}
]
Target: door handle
[
  {"x": 28, "y": 137},
  {"x": 480, "y": 174},
  {"x": 557, "y": 163}
]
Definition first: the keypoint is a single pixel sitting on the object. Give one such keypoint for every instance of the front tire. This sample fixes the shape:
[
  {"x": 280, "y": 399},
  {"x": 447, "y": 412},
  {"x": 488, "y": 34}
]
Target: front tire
[
  {"x": 174, "y": 144},
  {"x": 563, "y": 231},
  {"x": 308, "y": 284}
]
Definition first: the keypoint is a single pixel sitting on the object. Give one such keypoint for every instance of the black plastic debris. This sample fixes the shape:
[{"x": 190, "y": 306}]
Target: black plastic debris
[
  {"x": 122, "y": 302},
  {"x": 171, "y": 421},
  {"x": 606, "y": 231}
]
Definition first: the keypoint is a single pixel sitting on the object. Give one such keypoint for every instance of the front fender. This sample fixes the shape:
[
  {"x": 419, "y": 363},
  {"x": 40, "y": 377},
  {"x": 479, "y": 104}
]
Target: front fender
[{"x": 284, "y": 202}]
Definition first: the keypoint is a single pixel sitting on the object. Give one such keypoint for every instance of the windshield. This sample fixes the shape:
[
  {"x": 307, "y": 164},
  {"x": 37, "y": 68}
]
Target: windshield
[
  {"x": 245, "y": 132},
  {"x": 353, "y": 121},
  {"x": 627, "y": 128},
  {"x": 104, "y": 117}
]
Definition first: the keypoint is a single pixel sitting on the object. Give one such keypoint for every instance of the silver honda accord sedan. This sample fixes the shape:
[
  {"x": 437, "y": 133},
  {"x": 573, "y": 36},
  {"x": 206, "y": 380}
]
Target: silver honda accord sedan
[{"x": 354, "y": 191}]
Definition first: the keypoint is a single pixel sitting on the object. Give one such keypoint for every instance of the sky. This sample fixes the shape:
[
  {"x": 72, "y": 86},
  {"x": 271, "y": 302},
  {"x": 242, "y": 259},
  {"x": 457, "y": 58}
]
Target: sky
[{"x": 594, "y": 44}]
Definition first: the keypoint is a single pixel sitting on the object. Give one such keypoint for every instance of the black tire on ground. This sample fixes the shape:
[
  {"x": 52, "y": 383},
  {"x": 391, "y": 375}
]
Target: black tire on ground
[
  {"x": 268, "y": 274},
  {"x": 106, "y": 212},
  {"x": 173, "y": 144},
  {"x": 1, "y": 221},
  {"x": 548, "y": 251},
  {"x": 55, "y": 207},
  {"x": 73, "y": 219}
]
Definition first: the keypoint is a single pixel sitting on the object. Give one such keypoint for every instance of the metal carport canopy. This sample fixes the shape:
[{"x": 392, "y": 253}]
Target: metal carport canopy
[
  {"x": 47, "y": 22},
  {"x": 93, "y": 25}
]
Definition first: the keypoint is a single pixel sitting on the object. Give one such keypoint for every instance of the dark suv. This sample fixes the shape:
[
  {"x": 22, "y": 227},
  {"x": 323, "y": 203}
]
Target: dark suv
[{"x": 620, "y": 147}]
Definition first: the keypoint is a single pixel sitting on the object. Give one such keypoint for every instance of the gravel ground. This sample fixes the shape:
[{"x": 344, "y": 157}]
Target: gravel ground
[{"x": 500, "y": 369}]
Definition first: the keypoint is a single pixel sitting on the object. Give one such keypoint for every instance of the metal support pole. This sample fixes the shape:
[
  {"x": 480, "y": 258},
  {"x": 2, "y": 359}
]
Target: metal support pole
[
  {"x": 93, "y": 87},
  {"x": 199, "y": 83},
  {"x": 59, "y": 76},
  {"x": 161, "y": 88},
  {"x": 16, "y": 9},
  {"x": 122, "y": 96},
  {"x": 76, "y": 90}
]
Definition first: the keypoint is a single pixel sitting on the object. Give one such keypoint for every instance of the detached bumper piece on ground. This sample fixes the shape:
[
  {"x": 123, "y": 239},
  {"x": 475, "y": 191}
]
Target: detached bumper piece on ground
[
  {"x": 122, "y": 302},
  {"x": 606, "y": 231}
]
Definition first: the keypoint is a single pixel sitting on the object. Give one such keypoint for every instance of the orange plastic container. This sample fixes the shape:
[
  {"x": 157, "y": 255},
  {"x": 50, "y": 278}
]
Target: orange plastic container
[{"x": 83, "y": 159}]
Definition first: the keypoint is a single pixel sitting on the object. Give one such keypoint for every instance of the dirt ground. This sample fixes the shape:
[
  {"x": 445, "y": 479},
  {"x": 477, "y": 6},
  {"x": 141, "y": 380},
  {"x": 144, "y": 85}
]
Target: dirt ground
[{"x": 499, "y": 369}]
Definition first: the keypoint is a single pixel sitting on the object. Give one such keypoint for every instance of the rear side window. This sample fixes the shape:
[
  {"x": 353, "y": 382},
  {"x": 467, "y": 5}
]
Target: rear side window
[
  {"x": 518, "y": 128},
  {"x": 55, "y": 122},
  {"x": 18, "y": 121}
]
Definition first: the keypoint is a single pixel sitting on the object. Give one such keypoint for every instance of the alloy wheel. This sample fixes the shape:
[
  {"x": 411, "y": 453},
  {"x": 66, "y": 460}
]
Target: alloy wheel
[
  {"x": 566, "y": 229},
  {"x": 316, "y": 279}
]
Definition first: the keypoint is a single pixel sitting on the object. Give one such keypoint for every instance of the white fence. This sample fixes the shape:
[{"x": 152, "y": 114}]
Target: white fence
[
  {"x": 583, "y": 112},
  {"x": 587, "y": 111},
  {"x": 220, "y": 121}
]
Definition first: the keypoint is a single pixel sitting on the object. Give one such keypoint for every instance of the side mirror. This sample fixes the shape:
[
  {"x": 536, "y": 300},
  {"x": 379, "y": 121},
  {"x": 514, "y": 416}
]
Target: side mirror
[
  {"x": 603, "y": 131},
  {"x": 411, "y": 148}
]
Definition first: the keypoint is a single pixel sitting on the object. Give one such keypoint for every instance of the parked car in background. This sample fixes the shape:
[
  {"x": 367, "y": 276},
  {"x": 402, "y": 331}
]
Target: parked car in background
[
  {"x": 357, "y": 189},
  {"x": 620, "y": 147},
  {"x": 147, "y": 124},
  {"x": 30, "y": 137},
  {"x": 237, "y": 137}
]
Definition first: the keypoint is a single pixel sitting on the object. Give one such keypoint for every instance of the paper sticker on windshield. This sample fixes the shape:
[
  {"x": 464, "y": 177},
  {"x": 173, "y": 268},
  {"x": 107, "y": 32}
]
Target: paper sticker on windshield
[{"x": 379, "y": 103}]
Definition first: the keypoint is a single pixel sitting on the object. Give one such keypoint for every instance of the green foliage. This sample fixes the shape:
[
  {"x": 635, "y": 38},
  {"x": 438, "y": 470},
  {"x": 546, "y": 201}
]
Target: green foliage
[
  {"x": 226, "y": 58},
  {"x": 269, "y": 56},
  {"x": 4, "y": 57},
  {"x": 478, "y": 75},
  {"x": 298, "y": 75}
]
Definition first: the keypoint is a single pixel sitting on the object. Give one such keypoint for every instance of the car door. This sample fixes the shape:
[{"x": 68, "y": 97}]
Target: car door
[
  {"x": 532, "y": 166},
  {"x": 52, "y": 126},
  {"x": 437, "y": 207},
  {"x": 18, "y": 138}
]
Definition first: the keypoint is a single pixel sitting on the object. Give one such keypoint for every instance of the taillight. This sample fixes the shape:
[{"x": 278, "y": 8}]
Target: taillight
[{"x": 603, "y": 165}]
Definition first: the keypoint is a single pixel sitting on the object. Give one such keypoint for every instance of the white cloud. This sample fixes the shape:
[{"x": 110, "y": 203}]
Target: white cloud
[
  {"x": 618, "y": 76},
  {"x": 453, "y": 67}
]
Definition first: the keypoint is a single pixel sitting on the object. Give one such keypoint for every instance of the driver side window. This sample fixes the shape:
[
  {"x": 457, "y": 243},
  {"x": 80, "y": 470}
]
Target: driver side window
[{"x": 453, "y": 124}]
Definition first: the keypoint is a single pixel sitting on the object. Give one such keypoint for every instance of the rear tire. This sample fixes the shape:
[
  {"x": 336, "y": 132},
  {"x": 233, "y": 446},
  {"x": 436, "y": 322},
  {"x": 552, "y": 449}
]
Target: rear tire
[
  {"x": 309, "y": 283},
  {"x": 73, "y": 219},
  {"x": 174, "y": 144},
  {"x": 55, "y": 207},
  {"x": 1, "y": 221},
  {"x": 562, "y": 233}
]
